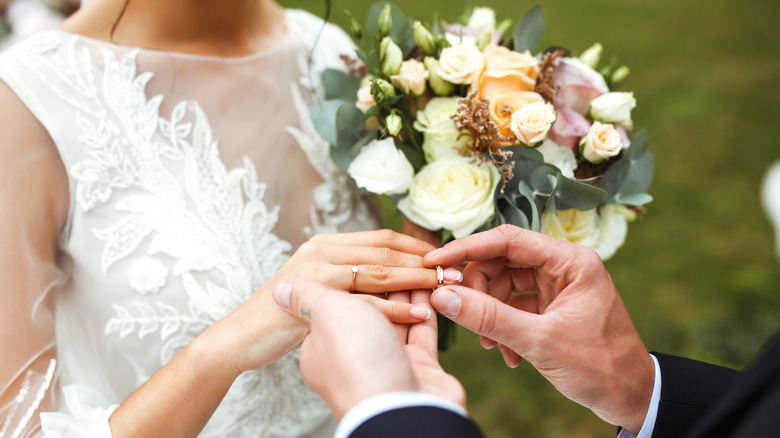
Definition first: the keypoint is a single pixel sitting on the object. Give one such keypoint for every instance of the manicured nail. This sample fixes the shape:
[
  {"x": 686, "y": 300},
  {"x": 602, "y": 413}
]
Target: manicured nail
[
  {"x": 446, "y": 302},
  {"x": 282, "y": 293},
  {"x": 434, "y": 252},
  {"x": 451, "y": 274},
  {"x": 420, "y": 313}
]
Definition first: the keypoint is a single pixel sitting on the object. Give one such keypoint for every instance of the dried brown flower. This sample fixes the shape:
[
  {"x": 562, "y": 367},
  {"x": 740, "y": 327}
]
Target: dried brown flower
[
  {"x": 472, "y": 118},
  {"x": 544, "y": 83}
]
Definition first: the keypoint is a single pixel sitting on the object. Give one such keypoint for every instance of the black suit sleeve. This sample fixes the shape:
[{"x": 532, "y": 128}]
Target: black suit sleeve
[
  {"x": 689, "y": 389},
  {"x": 417, "y": 422}
]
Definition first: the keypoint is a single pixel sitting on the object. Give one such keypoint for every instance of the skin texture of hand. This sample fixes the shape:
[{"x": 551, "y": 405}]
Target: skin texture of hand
[
  {"x": 552, "y": 303},
  {"x": 352, "y": 352}
]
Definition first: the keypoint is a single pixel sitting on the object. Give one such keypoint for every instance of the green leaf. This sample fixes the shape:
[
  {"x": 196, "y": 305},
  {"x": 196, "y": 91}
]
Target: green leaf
[
  {"x": 413, "y": 154},
  {"x": 323, "y": 116},
  {"x": 628, "y": 180},
  {"x": 529, "y": 195},
  {"x": 529, "y": 31},
  {"x": 570, "y": 193},
  {"x": 338, "y": 86}
]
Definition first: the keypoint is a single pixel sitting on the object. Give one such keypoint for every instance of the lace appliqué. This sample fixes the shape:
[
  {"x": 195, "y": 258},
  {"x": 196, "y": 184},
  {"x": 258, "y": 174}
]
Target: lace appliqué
[{"x": 210, "y": 221}]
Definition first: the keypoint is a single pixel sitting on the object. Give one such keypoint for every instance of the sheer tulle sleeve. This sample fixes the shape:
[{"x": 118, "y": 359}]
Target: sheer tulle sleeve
[{"x": 33, "y": 210}]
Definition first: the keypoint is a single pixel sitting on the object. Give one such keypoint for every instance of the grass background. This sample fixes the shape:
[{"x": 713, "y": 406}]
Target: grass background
[{"x": 698, "y": 273}]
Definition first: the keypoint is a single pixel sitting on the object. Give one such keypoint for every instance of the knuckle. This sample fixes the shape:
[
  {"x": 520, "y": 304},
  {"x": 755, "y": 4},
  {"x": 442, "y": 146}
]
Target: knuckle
[
  {"x": 387, "y": 235},
  {"x": 379, "y": 273},
  {"x": 486, "y": 319},
  {"x": 389, "y": 257}
]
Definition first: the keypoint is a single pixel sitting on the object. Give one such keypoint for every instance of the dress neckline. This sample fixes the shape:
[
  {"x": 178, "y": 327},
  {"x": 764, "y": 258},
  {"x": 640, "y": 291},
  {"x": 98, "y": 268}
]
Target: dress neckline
[{"x": 284, "y": 40}]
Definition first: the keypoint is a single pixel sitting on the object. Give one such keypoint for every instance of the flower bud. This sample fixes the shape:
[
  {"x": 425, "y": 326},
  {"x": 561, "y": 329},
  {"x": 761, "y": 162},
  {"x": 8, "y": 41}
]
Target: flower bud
[
  {"x": 484, "y": 39},
  {"x": 394, "y": 123},
  {"x": 592, "y": 55},
  {"x": 504, "y": 27},
  {"x": 382, "y": 90},
  {"x": 424, "y": 38},
  {"x": 391, "y": 56},
  {"x": 438, "y": 85},
  {"x": 384, "y": 23},
  {"x": 619, "y": 75},
  {"x": 355, "y": 27}
]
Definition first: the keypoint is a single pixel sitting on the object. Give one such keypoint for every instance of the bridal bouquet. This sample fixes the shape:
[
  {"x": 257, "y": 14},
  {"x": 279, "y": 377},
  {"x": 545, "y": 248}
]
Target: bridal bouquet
[{"x": 465, "y": 126}]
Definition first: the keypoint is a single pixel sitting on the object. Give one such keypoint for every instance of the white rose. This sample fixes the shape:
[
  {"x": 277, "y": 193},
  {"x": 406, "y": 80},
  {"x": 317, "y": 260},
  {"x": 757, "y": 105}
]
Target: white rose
[
  {"x": 601, "y": 142},
  {"x": 452, "y": 193},
  {"x": 483, "y": 19},
  {"x": 365, "y": 100},
  {"x": 614, "y": 107},
  {"x": 603, "y": 230},
  {"x": 532, "y": 122},
  {"x": 440, "y": 136},
  {"x": 382, "y": 168},
  {"x": 559, "y": 156},
  {"x": 461, "y": 64},
  {"x": 412, "y": 77}
]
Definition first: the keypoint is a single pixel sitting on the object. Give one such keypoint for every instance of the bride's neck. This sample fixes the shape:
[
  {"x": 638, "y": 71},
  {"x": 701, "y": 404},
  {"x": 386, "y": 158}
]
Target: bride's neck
[{"x": 207, "y": 27}]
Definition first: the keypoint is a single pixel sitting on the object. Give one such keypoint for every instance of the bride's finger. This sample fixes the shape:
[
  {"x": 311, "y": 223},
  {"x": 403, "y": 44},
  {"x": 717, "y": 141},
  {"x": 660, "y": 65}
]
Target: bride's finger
[
  {"x": 380, "y": 279},
  {"x": 397, "y": 311},
  {"x": 401, "y": 329},
  {"x": 361, "y": 255},
  {"x": 378, "y": 238}
]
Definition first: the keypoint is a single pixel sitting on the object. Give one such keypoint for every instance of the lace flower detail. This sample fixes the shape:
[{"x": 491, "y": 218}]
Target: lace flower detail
[{"x": 147, "y": 275}]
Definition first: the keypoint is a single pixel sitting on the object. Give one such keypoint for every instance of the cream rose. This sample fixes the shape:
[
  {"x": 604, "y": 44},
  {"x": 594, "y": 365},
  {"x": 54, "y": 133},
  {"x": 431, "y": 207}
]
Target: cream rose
[
  {"x": 507, "y": 70},
  {"x": 483, "y": 19},
  {"x": 532, "y": 122},
  {"x": 452, "y": 193},
  {"x": 365, "y": 100},
  {"x": 614, "y": 107},
  {"x": 412, "y": 77},
  {"x": 382, "y": 168},
  {"x": 461, "y": 64},
  {"x": 504, "y": 103},
  {"x": 440, "y": 136},
  {"x": 604, "y": 229},
  {"x": 601, "y": 142}
]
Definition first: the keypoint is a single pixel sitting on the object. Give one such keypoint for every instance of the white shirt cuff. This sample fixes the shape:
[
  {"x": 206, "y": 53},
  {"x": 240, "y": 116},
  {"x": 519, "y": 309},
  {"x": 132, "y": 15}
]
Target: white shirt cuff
[
  {"x": 381, "y": 403},
  {"x": 652, "y": 411}
]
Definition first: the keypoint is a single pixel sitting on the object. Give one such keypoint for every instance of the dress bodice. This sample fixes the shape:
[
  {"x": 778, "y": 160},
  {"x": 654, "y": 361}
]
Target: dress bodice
[{"x": 191, "y": 180}]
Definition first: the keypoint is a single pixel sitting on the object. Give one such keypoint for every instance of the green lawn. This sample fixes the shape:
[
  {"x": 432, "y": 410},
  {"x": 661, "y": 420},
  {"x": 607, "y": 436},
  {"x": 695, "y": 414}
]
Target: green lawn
[{"x": 698, "y": 273}]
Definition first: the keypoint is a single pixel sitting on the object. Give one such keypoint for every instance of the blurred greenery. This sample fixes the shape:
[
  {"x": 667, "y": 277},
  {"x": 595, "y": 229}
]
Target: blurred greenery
[{"x": 698, "y": 273}]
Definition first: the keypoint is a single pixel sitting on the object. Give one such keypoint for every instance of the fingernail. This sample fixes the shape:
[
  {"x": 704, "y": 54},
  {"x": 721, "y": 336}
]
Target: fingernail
[
  {"x": 420, "y": 313},
  {"x": 451, "y": 274},
  {"x": 447, "y": 303},
  {"x": 282, "y": 293},
  {"x": 434, "y": 252}
]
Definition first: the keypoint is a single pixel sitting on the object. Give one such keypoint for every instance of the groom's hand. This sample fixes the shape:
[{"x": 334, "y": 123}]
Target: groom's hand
[
  {"x": 553, "y": 303},
  {"x": 353, "y": 353}
]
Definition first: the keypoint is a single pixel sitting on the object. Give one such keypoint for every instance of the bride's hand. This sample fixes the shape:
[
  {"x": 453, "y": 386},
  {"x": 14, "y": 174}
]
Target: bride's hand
[{"x": 258, "y": 332}]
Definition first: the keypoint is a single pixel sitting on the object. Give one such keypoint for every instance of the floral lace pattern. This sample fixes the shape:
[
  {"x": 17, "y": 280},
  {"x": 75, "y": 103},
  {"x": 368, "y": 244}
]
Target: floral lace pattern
[{"x": 184, "y": 220}]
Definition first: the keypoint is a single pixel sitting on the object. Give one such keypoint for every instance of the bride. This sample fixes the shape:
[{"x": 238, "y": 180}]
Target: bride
[{"x": 158, "y": 167}]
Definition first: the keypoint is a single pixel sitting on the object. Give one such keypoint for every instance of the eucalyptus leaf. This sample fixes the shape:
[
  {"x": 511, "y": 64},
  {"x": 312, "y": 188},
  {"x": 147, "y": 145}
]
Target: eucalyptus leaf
[
  {"x": 570, "y": 193},
  {"x": 413, "y": 154},
  {"x": 323, "y": 116},
  {"x": 339, "y": 86},
  {"x": 512, "y": 214},
  {"x": 528, "y": 193},
  {"x": 529, "y": 31},
  {"x": 349, "y": 124},
  {"x": 631, "y": 176}
]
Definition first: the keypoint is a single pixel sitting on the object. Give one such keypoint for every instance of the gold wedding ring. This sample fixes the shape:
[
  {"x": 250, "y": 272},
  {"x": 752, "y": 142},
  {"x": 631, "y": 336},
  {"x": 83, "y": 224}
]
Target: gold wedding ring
[
  {"x": 439, "y": 276},
  {"x": 355, "y": 270}
]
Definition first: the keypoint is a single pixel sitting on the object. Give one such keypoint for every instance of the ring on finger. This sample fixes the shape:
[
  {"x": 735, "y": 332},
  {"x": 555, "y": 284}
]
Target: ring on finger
[
  {"x": 355, "y": 270},
  {"x": 439, "y": 276}
]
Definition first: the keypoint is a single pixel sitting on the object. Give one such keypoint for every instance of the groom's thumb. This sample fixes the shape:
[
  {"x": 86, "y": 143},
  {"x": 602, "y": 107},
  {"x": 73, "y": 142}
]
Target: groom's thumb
[{"x": 485, "y": 315}]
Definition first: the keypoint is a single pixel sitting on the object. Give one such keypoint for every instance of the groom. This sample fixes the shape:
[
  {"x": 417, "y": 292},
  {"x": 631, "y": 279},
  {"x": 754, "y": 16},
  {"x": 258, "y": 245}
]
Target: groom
[{"x": 575, "y": 331}]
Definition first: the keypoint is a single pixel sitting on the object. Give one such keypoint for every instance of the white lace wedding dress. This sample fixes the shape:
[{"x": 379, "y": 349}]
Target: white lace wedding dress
[{"x": 191, "y": 180}]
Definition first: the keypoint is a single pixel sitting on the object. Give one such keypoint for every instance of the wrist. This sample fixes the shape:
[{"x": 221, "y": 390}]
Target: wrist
[
  {"x": 212, "y": 356},
  {"x": 635, "y": 395}
]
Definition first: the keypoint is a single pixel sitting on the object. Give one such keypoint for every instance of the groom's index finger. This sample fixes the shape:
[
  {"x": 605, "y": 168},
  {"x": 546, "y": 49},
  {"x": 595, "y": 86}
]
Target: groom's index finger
[{"x": 520, "y": 246}]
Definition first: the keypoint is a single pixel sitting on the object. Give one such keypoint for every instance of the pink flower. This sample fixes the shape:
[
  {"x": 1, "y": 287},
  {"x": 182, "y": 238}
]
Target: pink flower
[
  {"x": 459, "y": 34},
  {"x": 569, "y": 128},
  {"x": 577, "y": 85},
  {"x": 624, "y": 137}
]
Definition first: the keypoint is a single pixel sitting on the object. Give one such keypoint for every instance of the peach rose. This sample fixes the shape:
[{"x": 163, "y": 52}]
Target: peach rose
[
  {"x": 532, "y": 122},
  {"x": 601, "y": 142},
  {"x": 507, "y": 70},
  {"x": 504, "y": 103}
]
